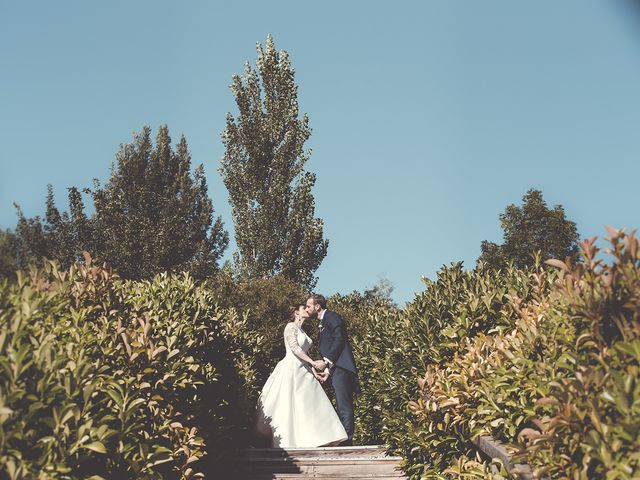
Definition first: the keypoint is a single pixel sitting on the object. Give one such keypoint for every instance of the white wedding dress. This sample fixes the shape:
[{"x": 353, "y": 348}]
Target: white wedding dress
[{"x": 293, "y": 408}]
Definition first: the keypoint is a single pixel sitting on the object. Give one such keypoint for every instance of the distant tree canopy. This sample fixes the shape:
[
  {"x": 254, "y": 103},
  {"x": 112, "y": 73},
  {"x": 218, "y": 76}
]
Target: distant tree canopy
[
  {"x": 8, "y": 253},
  {"x": 153, "y": 215},
  {"x": 263, "y": 170},
  {"x": 530, "y": 228}
]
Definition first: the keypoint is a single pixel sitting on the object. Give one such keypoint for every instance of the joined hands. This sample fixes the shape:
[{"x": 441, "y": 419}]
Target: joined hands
[
  {"x": 320, "y": 370},
  {"x": 319, "y": 365},
  {"x": 321, "y": 376}
]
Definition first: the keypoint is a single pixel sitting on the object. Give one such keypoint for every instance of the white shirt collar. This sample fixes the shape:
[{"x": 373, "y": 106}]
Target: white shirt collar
[{"x": 321, "y": 314}]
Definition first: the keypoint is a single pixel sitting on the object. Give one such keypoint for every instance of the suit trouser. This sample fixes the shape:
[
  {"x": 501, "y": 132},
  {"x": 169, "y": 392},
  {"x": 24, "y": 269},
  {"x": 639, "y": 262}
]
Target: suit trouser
[{"x": 343, "y": 382}]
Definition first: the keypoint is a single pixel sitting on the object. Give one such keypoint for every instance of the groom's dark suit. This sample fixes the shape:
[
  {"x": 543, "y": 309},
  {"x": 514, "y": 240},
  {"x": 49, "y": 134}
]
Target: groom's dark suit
[{"x": 335, "y": 347}]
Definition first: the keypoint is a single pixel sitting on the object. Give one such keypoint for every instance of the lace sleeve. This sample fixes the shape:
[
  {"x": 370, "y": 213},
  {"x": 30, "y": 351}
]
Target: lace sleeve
[{"x": 291, "y": 338}]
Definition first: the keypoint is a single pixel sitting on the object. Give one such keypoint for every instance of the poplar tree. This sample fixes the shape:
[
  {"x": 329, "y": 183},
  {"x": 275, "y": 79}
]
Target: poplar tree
[{"x": 263, "y": 169}]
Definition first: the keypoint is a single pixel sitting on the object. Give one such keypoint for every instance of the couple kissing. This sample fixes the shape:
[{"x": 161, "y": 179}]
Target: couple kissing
[{"x": 293, "y": 408}]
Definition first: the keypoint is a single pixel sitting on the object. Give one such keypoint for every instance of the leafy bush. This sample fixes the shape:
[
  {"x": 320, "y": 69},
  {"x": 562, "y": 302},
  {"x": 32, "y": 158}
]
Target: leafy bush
[
  {"x": 264, "y": 302},
  {"x": 591, "y": 426},
  {"x": 397, "y": 348},
  {"x": 360, "y": 312},
  {"x": 547, "y": 361},
  {"x": 562, "y": 384},
  {"x": 104, "y": 378}
]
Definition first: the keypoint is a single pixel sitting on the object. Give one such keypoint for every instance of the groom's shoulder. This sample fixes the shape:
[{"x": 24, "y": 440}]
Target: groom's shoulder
[{"x": 332, "y": 314}]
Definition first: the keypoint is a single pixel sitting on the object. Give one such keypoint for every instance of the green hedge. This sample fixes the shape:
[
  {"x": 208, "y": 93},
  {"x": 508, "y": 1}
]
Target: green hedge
[
  {"x": 364, "y": 315},
  {"x": 104, "y": 378},
  {"x": 547, "y": 361},
  {"x": 395, "y": 348}
]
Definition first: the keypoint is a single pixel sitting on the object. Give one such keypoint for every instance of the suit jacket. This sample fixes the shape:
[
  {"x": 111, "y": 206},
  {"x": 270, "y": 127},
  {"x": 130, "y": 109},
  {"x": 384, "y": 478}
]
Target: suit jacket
[{"x": 334, "y": 344}]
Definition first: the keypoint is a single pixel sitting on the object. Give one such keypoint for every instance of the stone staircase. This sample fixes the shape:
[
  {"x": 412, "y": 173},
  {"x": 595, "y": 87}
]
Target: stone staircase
[{"x": 324, "y": 463}]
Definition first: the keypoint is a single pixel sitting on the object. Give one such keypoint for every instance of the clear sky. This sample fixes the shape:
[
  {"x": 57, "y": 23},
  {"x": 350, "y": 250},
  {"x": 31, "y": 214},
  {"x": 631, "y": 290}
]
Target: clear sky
[{"x": 428, "y": 117}]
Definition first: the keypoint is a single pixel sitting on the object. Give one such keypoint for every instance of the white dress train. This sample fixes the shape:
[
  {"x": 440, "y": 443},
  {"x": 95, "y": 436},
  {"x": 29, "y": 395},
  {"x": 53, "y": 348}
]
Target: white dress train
[{"x": 293, "y": 408}]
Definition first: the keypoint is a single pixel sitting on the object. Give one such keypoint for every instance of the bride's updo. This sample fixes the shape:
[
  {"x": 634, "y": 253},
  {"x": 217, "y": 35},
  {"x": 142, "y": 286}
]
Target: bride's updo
[{"x": 291, "y": 312}]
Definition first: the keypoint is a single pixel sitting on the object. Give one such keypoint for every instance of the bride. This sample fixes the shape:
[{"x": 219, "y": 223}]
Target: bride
[{"x": 293, "y": 408}]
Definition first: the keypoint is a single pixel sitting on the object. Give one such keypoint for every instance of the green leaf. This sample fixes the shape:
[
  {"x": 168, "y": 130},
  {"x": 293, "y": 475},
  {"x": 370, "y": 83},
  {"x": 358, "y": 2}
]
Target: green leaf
[
  {"x": 96, "y": 447},
  {"x": 117, "y": 398}
]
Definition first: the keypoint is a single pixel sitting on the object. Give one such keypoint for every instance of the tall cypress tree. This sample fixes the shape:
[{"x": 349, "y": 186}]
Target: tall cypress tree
[{"x": 263, "y": 170}]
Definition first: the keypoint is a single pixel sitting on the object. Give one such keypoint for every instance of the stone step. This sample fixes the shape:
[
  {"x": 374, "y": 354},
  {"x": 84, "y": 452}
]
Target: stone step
[
  {"x": 326, "y": 463},
  {"x": 360, "y": 468},
  {"x": 320, "y": 460},
  {"x": 288, "y": 476},
  {"x": 368, "y": 451}
]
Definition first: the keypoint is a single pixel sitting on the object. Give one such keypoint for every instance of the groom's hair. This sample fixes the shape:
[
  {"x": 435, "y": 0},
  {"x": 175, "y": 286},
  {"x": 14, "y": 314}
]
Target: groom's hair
[{"x": 320, "y": 300}]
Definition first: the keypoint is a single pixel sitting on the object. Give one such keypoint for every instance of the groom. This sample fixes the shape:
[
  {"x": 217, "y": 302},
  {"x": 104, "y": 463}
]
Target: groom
[{"x": 335, "y": 349}]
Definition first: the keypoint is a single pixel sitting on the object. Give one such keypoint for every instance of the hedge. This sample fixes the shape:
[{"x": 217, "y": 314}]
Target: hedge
[
  {"x": 545, "y": 360},
  {"x": 105, "y": 378}
]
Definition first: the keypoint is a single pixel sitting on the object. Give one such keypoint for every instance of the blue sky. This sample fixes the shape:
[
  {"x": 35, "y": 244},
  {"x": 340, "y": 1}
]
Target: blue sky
[{"x": 428, "y": 117}]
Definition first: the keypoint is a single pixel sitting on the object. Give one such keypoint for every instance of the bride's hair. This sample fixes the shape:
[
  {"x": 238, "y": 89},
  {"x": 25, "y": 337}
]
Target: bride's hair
[{"x": 291, "y": 313}]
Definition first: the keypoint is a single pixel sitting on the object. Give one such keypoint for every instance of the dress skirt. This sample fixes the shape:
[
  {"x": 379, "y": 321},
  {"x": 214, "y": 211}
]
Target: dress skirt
[{"x": 294, "y": 409}]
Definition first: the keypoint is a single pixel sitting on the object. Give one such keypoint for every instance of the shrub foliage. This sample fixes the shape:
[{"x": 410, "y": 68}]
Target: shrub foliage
[
  {"x": 108, "y": 378},
  {"x": 105, "y": 378},
  {"x": 546, "y": 360}
]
